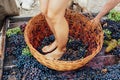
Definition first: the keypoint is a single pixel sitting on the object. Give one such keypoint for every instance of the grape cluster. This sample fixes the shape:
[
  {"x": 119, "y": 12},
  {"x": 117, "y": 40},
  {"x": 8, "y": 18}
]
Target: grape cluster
[
  {"x": 14, "y": 44},
  {"x": 114, "y": 27},
  {"x": 75, "y": 50},
  {"x": 116, "y": 51},
  {"x": 48, "y": 40},
  {"x": 33, "y": 70},
  {"x": 5, "y": 75},
  {"x": 13, "y": 31},
  {"x": 22, "y": 27},
  {"x": 114, "y": 30},
  {"x": 113, "y": 73},
  {"x": 13, "y": 74},
  {"x": 28, "y": 68},
  {"x": 114, "y": 15}
]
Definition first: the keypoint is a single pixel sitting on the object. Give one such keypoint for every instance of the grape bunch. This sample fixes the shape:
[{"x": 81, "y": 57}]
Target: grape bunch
[
  {"x": 113, "y": 28},
  {"x": 28, "y": 68},
  {"x": 13, "y": 31},
  {"x": 22, "y": 27},
  {"x": 112, "y": 73},
  {"x": 116, "y": 51},
  {"x": 31, "y": 69},
  {"x": 14, "y": 44},
  {"x": 48, "y": 40},
  {"x": 75, "y": 48},
  {"x": 112, "y": 31},
  {"x": 114, "y": 15}
]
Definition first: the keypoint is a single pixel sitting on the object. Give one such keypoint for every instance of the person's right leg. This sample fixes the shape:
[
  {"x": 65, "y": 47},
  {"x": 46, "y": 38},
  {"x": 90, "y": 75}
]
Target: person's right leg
[
  {"x": 55, "y": 14},
  {"x": 44, "y": 8}
]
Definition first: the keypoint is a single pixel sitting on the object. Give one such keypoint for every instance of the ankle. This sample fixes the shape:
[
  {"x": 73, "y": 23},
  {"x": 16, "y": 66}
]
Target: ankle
[{"x": 62, "y": 49}]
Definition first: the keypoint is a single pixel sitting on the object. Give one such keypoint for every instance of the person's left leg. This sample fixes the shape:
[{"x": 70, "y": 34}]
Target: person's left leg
[{"x": 55, "y": 13}]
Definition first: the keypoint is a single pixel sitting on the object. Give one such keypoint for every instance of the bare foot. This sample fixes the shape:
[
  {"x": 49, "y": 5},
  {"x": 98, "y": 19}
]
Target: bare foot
[
  {"x": 50, "y": 47},
  {"x": 55, "y": 54}
]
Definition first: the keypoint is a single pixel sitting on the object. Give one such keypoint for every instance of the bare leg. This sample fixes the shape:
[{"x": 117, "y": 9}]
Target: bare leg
[
  {"x": 52, "y": 46},
  {"x": 44, "y": 7},
  {"x": 56, "y": 11}
]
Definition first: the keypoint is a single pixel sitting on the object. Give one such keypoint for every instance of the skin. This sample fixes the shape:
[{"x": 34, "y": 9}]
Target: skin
[
  {"x": 106, "y": 8},
  {"x": 54, "y": 12}
]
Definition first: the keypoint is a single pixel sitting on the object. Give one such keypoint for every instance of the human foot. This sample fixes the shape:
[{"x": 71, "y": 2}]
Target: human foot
[
  {"x": 56, "y": 54},
  {"x": 50, "y": 48}
]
